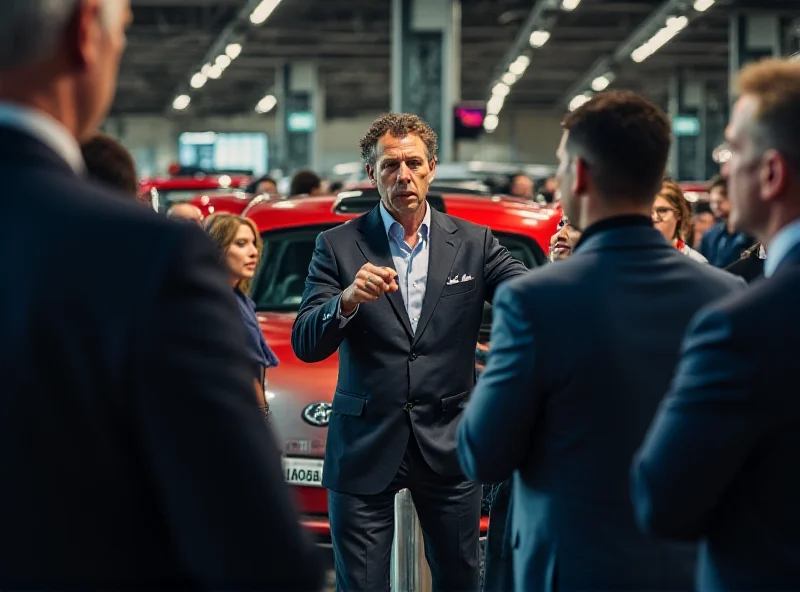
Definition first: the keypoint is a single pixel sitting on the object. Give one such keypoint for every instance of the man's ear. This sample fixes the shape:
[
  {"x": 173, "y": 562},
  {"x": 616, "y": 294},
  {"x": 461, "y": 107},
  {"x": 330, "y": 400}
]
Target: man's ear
[
  {"x": 773, "y": 175},
  {"x": 371, "y": 174},
  {"x": 580, "y": 177},
  {"x": 82, "y": 37},
  {"x": 432, "y": 166}
]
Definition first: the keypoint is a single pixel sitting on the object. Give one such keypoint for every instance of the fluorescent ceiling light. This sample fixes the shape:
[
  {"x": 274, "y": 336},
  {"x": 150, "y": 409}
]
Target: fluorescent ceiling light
[
  {"x": 675, "y": 25},
  {"x": 500, "y": 89},
  {"x": 519, "y": 65},
  {"x": 214, "y": 72},
  {"x": 233, "y": 50},
  {"x": 539, "y": 38},
  {"x": 509, "y": 78},
  {"x": 495, "y": 105},
  {"x": 198, "y": 80},
  {"x": 578, "y": 101},
  {"x": 703, "y": 5},
  {"x": 181, "y": 102},
  {"x": 266, "y": 104},
  {"x": 570, "y": 4},
  {"x": 600, "y": 83},
  {"x": 223, "y": 61},
  {"x": 490, "y": 123},
  {"x": 263, "y": 10}
]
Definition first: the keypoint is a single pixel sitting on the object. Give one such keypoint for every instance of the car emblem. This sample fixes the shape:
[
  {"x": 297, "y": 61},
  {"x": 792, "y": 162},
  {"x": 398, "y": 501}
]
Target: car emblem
[{"x": 318, "y": 414}]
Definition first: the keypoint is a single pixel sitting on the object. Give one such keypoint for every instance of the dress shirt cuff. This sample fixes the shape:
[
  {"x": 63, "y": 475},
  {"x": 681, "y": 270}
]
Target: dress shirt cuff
[{"x": 343, "y": 320}]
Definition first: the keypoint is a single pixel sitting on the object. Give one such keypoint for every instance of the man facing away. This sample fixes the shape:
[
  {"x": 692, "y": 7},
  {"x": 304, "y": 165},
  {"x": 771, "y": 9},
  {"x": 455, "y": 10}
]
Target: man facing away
[
  {"x": 400, "y": 293},
  {"x": 566, "y": 421},
  {"x": 132, "y": 452},
  {"x": 719, "y": 462}
]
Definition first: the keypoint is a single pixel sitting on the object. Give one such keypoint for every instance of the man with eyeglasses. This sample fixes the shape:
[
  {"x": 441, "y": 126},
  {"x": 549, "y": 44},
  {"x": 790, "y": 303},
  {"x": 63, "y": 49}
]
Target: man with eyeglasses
[{"x": 718, "y": 464}]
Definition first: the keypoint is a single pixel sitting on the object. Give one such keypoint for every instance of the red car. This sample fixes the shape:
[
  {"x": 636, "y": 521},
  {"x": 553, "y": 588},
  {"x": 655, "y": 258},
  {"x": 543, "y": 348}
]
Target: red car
[
  {"x": 162, "y": 192},
  {"x": 300, "y": 394}
]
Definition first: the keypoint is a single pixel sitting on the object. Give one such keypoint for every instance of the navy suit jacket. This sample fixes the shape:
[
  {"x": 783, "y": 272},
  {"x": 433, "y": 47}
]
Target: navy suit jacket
[
  {"x": 582, "y": 352},
  {"x": 132, "y": 451},
  {"x": 392, "y": 381},
  {"x": 720, "y": 462}
]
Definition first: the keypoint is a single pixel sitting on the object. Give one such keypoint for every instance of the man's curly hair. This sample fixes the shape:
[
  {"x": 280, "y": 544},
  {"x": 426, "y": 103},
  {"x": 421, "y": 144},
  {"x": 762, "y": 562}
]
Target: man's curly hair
[{"x": 398, "y": 125}]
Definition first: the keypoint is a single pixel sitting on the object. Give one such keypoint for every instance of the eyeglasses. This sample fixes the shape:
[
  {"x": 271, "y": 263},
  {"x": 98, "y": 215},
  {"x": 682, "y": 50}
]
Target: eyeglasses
[
  {"x": 722, "y": 153},
  {"x": 564, "y": 222},
  {"x": 661, "y": 213}
]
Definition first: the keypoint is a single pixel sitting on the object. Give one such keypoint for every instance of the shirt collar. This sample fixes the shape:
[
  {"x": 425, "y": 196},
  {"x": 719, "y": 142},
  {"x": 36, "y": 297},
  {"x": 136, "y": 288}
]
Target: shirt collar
[
  {"x": 389, "y": 222},
  {"x": 45, "y": 129},
  {"x": 783, "y": 242}
]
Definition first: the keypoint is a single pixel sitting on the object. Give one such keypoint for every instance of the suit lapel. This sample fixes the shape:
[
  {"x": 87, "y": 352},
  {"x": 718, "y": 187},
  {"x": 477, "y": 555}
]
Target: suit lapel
[
  {"x": 442, "y": 252},
  {"x": 374, "y": 245}
]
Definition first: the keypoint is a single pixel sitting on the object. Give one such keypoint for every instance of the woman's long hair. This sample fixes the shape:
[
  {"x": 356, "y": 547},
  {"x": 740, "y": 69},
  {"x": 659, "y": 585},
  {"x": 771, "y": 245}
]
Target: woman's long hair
[
  {"x": 222, "y": 228},
  {"x": 673, "y": 193}
]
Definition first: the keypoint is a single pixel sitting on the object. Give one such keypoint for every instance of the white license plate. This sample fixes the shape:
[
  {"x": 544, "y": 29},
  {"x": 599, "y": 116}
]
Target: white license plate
[{"x": 302, "y": 471}]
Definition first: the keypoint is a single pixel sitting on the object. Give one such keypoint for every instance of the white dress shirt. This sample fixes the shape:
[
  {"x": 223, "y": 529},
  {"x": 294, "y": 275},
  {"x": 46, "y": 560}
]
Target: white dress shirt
[
  {"x": 411, "y": 265},
  {"x": 780, "y": 245},
  {"x": 45, "y": 129}
]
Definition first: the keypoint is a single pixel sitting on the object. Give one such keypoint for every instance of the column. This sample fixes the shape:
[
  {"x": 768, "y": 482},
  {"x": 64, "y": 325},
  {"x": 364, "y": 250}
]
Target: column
[
  {"x": 754, "y": 37},
  {"x": 300, "y": 109},
  {"x": 426, "y": 64},
  {"x": 687, "y": 114}
]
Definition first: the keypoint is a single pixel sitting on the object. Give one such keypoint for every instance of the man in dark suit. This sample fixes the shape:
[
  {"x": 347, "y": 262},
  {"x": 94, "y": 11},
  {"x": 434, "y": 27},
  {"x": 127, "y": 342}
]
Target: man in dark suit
[
  {"x": 132, "y": 452},
  {"x": 400, "y": 293},
  {"x": 719, "y": 462},
  {"x": 581, "y": 354}
]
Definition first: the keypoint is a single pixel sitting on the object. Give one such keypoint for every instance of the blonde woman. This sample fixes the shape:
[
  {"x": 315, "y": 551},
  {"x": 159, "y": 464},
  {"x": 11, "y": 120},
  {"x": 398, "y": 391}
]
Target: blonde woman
[{"x": 240, "y": 246}]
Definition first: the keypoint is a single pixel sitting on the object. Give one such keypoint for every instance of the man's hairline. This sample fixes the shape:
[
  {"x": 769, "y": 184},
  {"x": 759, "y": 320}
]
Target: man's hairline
[{"x": 373, "y": 157}]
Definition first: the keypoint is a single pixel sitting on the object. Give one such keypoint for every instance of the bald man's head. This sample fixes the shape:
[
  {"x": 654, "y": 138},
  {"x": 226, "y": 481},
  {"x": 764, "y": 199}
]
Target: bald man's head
[{"x": 185, "y": 211}]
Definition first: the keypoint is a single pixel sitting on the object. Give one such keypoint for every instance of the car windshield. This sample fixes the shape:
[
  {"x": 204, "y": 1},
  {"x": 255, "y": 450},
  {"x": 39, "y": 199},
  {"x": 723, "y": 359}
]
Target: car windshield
[{"x": 279, "y": 283}]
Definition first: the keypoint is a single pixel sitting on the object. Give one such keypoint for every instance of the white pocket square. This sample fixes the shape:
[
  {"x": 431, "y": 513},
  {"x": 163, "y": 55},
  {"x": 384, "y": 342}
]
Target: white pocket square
[{"x": 456, "y": 280}]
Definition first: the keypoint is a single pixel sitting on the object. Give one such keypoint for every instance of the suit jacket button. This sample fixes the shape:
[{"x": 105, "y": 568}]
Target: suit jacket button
[{"x": 413, "y": 356}]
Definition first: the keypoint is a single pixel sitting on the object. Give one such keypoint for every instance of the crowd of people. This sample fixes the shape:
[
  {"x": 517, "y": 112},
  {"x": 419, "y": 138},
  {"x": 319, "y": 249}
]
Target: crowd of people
[{"x": 636, "y": 411}]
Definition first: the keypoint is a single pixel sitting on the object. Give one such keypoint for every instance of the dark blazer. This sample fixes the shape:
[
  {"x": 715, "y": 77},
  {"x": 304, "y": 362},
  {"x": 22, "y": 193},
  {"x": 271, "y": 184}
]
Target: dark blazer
[
  {"x": 750, "y": 267},
  {"x": 722, "y": 249},
  {"x": 719, "y": 463},
  {"x": 132, "y": 451},
  {"x": 390, "y": 379},
  {"x": 582, "y": 353}
]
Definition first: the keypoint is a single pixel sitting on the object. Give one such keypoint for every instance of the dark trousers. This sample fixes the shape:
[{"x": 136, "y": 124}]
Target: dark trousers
[{"x": 362, "y": 528}]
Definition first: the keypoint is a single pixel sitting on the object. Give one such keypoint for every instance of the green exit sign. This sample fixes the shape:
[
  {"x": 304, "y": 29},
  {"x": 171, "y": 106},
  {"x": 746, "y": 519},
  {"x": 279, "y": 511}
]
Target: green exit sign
[
  {"x": 301, "y": 121},
  {"x": 685, "y": 125}
]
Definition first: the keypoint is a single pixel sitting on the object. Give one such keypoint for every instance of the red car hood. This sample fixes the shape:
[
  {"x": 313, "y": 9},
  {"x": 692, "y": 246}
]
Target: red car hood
[{"x": 293, "y": 386}]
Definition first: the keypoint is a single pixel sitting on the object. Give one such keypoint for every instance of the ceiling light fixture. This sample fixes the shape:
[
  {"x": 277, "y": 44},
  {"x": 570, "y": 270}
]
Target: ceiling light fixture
[
  {"x": 266, "y": 104},
  {"x": 181, "y": 102},
  {"x": 674, "y": 25},
  {"x": 539, "y": 38},
  {"x": 263, "y": 10},
  {"x": 223, "y": 61},
  {"x": 490, "y": 123},
  {"x": 569, "y": 5},
  {"x": 518, "y": 66},
  {"x": 198, "y": 80},
  {"x": 233, "y": 50},
  {"x": 703, "y": 5}
]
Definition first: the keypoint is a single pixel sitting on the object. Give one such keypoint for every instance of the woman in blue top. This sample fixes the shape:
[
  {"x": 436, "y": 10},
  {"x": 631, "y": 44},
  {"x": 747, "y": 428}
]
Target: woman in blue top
[{"x": 239, "y": 246}]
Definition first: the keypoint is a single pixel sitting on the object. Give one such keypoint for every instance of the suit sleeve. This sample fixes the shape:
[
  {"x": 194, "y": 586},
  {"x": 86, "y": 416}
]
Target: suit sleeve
[
  {"x": 318, "y": 331},
  {"x": 499, "y": 264},
  {"x": 702, "y": 433},
  {"x": 213, "y": 462},
  {"x": 496, "y": 427}
]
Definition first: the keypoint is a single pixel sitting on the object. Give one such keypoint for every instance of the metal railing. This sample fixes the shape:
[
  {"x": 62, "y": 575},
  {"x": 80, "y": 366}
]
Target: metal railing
[{"x": 410, "y": 571}]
